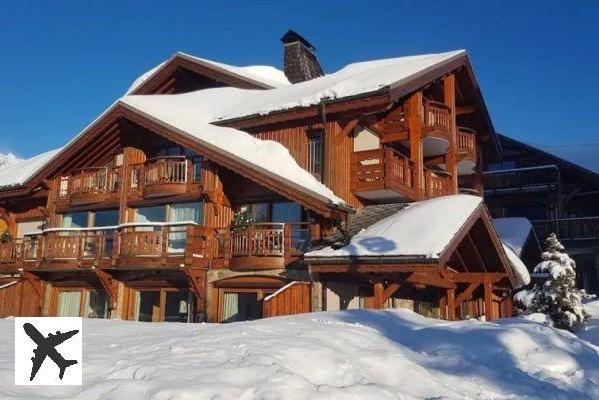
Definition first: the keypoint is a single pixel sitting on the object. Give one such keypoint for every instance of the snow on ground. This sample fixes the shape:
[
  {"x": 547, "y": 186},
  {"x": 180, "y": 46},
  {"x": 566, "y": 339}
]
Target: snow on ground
[
  {"x": 358, "y": 354},
  {"x": 591, "y": 331}
]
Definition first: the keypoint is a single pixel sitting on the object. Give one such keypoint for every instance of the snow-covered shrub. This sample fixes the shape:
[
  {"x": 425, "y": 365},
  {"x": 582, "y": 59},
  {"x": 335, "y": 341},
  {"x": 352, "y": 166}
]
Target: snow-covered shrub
[
  {"x": 557, "y": 296},
  {"x": 5, "y": 237}
]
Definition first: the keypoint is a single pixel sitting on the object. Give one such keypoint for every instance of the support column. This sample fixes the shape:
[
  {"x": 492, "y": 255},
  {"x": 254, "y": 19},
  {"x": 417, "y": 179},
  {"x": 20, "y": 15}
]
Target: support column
[
  {"x": 378, "y": 291},
  {"x": 317, "y": 294},
  {"x": 451, "y": 162},
  {"x": 488, "y": 299},
  {"x": 415, "y": 132},
  {"x": 451, "y": 304}
]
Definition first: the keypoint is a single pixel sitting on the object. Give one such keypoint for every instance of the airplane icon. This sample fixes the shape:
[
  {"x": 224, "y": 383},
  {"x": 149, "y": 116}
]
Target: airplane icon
[{"x": 46, "y": 348}]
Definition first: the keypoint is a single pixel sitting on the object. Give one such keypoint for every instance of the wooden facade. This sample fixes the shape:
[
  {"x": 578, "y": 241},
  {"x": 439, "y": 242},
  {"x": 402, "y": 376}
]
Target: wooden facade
[{"x": 405, "y": 145}]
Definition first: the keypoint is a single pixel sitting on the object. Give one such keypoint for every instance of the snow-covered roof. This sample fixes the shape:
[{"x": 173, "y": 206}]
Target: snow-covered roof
[
  {"x": 7, "y": 160},
  {"x": 184, "y": 113},
  {"x": 513, "y": 232},
  {"x": 262, "y": 74},
  {"x": 19, "y": 173},
  {"x": 422, "y": 229},
  {"x": 519, "y": 269},
  {"x": 353, "y": 80},
  {"x": 583, "y": 155}
]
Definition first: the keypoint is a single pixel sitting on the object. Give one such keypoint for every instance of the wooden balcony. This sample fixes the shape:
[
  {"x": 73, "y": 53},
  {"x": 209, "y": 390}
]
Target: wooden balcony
[
  {"x": 436, "y": 183},
  {"x": 436, "y": 119},
  {"x": 89, "y": 186},
  {"x": 382, "y": 174},
  {"x": 578, "y": 229},
  {"x": 165, "y": 176},
  {"x": 522, "y": 180},
  {"x": 150, "y": 246},
  {"x": 466, "y": 142},
  {"x": 268, "y": 245}
]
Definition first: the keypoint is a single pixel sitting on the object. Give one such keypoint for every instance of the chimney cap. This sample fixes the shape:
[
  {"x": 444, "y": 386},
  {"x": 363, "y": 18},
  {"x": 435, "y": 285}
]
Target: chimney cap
[{"x": 292, "y": 36}]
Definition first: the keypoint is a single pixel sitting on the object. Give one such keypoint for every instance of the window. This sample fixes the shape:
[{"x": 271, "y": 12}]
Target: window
[
  {"x": 87, "y": 303},
  {"x": 150, "y": 214},
  {"x": 197, "y": 168},
  {"x": 163, "y": 305},
  {"x": 286, "y": 212},
  {"x": 315, "y": 153},
  {"x": 75, "y": 220},
  {"x": 106, "y": 218},
  {"x": 241, "y": 306},
  {"x": 184, "y": 212}
]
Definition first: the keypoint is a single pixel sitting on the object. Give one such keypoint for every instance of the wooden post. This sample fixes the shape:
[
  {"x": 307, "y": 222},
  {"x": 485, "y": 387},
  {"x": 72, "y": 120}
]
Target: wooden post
[
  {"x": 488, "y": 299},
  {"x": 443, "y": 307},
  {"x": 451, "y": 165},
  {"x": 415, "y": 134},
  {"x": 378, "y": 290},
  {"x": 451, "y": 304}
]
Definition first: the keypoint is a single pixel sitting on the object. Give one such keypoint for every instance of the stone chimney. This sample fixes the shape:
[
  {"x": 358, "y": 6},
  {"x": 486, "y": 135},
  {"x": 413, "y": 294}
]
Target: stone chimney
[{"x": 301, "y": 63}]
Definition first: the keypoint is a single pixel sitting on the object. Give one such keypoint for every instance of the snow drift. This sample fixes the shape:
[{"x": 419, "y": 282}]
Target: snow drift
[{"x": 358, "y": 354}]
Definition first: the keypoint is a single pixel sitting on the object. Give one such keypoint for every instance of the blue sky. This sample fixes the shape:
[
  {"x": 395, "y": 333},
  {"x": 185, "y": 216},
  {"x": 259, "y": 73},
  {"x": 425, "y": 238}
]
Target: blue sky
[{"x": 64, "y": 62}]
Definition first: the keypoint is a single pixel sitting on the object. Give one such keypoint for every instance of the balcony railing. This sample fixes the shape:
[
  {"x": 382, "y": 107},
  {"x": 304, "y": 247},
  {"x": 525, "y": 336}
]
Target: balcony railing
[
  {"x": 584, "y": 228},
  {"x": 532, "y": 179},
  {"x": 266, "y": 245},
  {"x": 165, "y": 176},
  {"x": 467, "y": 142},
  {"x": 89, "y": 185},
  {"x": 380, "y": 170},
  {"x": 437, "y": 117},
  {"x": 436, "y": 183}
]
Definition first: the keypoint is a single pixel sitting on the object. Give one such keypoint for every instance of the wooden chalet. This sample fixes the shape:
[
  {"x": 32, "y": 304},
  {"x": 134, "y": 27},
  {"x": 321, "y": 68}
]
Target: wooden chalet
[
  {"x": 555, "y": 187},
  {"x": 133, "y": 218}
]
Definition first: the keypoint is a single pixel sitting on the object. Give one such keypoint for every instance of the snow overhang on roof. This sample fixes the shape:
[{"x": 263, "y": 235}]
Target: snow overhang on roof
[
  {"x": 513, "y": 232},
  {"x": 420, "y": 231},
  {"x": 263, "y": 76},
  {"x": 19, "y": 174}
]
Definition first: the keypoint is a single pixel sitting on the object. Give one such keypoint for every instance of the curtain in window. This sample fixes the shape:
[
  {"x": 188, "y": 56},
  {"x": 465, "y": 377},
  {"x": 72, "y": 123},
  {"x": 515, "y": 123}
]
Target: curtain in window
[
  {"x": 74, "y": 220},
  {"x": 96, "y": 304},
  {"x": 192, "y": 212},
  {"x": 230, "y": 307},
  {"x": 136, "y": 305},
  {"x": 68, "y": 304}
]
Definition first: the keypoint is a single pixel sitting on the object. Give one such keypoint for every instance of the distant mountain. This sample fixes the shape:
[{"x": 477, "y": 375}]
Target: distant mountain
[{"x": 6, "y": 160}]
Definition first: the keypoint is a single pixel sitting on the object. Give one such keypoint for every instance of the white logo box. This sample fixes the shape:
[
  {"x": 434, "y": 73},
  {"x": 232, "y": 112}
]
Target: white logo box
[{"x": 70, "y": 349}]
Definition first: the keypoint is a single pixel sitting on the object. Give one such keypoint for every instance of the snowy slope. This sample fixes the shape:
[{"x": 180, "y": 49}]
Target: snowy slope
[
  {"x": 21, "y": 172},
  {"x": 591, "y": 331},
  {"x": 354, "y": 354}
]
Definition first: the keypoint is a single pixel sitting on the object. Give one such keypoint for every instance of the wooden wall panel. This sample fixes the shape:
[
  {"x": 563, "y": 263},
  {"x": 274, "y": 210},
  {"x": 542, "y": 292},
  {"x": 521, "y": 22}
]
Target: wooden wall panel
[
  {"x": 292, "y": 299},
  {"x": 19, "y": 299}
]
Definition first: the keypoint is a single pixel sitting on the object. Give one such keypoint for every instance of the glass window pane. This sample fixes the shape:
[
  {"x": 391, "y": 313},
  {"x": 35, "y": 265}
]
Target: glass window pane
[
  {"x": 147, "y": 306},
  {"x": 150, "y": 214},
  {"x": 241, "y": 306},
  {"x": 68, "y": 304},
  {"x": 286, "y": 212},
  {"x": 260, "y": 212},
  {"x": 96, "y": 304},
  {"x": 74, "y": 220},
  {"x": 186, "y": 212},
  {"x": 178, "y": 306},
  {"x": 106, "y": 218}
]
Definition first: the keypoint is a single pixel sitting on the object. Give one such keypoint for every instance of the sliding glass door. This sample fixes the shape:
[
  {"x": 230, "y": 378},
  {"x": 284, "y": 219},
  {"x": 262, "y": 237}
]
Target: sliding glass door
[
  {"x": 83, "y": 302},
  {"x": 169, "y": 305}
]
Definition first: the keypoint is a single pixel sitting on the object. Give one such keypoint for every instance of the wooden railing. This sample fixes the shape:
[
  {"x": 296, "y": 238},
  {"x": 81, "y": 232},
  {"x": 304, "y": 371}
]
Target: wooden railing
[
  {"x": 542, "y": 178},
  {"x": 155, "y": 245},
  {"x": 437, "y": 116},
  {"x": 583, "y": 228},
  {"x": 89, "y": 184},
  {"x": 380, "y": 169},
  {"x": 466, "y": 141},
  {"x": 436, "y": 183},
  {"x": 166, "y": 170}
]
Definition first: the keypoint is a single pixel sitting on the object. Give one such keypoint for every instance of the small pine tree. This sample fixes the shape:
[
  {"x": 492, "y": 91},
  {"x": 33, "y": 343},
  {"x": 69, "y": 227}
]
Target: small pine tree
[
  {"x": 558, "y": 296},
  {"x": 242, "y": 219}
]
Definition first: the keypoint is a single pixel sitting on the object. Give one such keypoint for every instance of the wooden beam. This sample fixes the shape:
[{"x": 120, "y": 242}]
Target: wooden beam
[
  {"x": 35, "y": 282},
  {"x": 390, "y": 291},
  {"x": 443, "y": 307},
  {"x": 449, "y": 99},
  {"x": 378, "y": 290},
  {"x": 466, "y": 294},
  {"x": 347, "y": 129},
  {"x": 197, "y": 279},
  {"x": 451, "y": 304},
  {"x": 472, "y": 245},
  {"x": 488, "y": 299},
  {"x": 469, "y": 277},
  {"x": 110, "y": 284},
  {"x": 415, "y": 134},
  {"x": 431, "y": 279}
]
